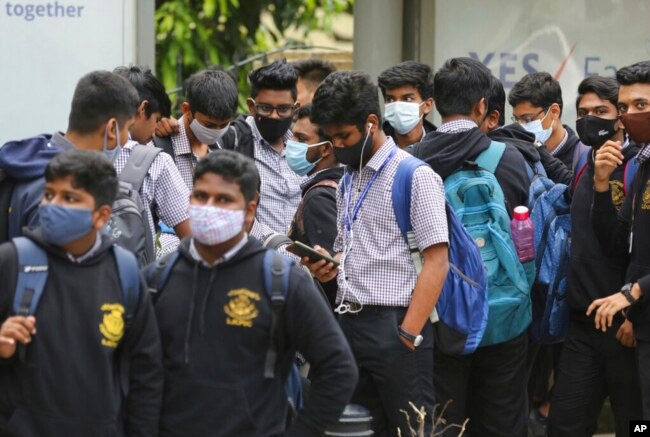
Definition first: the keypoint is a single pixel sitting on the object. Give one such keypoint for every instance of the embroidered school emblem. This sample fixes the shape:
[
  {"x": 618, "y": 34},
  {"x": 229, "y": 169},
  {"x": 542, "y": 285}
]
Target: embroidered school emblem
[
  {"x": 112, "y": 326},
  {"x": 618, "y": 194},
  {"x": 646, "y": 196},
  {"x": 241, "y": 309}
]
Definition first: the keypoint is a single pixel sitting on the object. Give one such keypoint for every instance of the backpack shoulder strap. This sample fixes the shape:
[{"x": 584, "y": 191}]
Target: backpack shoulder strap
[
  {"x": 580, "y": 167},
  {"x": 166, "y": 144},
  {"x": 137, "y": 166},
  {"x": 158, "y": 273},
  {"x": 489, "y": 158},
  {"x": 32, "y": 276},
  {"x": 7, "y": 184},
  {"x": 243, "y": 137},
  {"x": 401, "y": 198},
  {"x": 129, "y": 275},
  {"x": 631, "y": 168},
  {"x": 276, "y": 240},
  {"x": 276, "y": 284},
  {"x": 300, "y": 222}
]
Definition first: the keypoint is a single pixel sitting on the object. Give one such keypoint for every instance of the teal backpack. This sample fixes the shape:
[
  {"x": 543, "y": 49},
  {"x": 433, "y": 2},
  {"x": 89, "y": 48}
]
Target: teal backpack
[{"x": 477, "y": 198}]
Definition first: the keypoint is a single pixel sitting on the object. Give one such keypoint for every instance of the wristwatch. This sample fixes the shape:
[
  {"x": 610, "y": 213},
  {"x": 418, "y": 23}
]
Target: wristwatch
[
  {"x": 415, "y": 339},
  {"x": 627, "y": 292}
]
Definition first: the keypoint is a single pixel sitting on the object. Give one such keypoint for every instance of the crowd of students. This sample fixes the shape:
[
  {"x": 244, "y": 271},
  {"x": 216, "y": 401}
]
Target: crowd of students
[{"x": 207, "y": 337}]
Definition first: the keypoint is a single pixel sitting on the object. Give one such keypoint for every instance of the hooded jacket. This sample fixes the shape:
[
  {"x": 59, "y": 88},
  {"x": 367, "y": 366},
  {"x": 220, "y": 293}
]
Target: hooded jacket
[
  {"x": 215, "y": 326},
  {"x": 593, "y": 273},
  {"x": 24, "y": 161},
  {"x": 446, "y": 153},
  {"x": 68, "y": 384},
  {"x": 613, "y": 231}
]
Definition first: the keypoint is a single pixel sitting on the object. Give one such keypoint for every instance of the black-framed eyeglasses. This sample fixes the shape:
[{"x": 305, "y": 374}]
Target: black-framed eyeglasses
[
  {"x": 528, "y": 119},
  {"x": 265, "y": 110}
]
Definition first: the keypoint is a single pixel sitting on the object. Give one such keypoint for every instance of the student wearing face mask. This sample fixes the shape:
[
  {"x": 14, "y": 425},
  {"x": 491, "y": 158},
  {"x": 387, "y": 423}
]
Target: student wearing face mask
[
  {"x": 215, "y": 319},
  {"x": 384, "y": 305},
  {"x": 624, "y": 233},
  {"x": 536, "y": 102},
  {"x": 101, "y": 114},
  {"x": 407, "y": 89},
  {"x": 595, "y": 364},
  {"x": 310, "y": 154}
]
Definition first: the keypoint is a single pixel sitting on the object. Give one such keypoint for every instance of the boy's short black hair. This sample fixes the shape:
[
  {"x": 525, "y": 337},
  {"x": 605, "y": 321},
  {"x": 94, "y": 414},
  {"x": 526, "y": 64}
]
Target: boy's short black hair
[
  {"x": 540, "y": 89},
  {"x": 212, "y": 93},
  {"x": 149, "y": 88},
  {"x": 346, "y": 97},
  {"x": 459, "y": 85},
  {"x": 635, "y": 73},
  {"x": 305, "y": 111},
  {"x": 90, "y": 171},
  {"x": 99, "y": 96},
  {"x": 497, "y": 99},
  {"x": 313, "y": 70},
  {"x": 232, "y": 166},
  {"x": 278, "y": 76},
  {"x": 415, "y": 74},
  {"x": 604, "y": 87}
]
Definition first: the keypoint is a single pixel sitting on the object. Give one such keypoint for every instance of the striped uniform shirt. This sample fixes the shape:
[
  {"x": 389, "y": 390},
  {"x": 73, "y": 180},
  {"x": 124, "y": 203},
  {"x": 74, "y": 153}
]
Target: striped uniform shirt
[
  {"x": 185, "y": 159},
  {"x": 280, "y": 192},
  {"x": 163, "y": 189},
  {"x": 378, "y": 269}
]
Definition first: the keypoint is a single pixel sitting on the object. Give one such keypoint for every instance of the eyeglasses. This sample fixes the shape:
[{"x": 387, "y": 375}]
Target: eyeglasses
[
  {"x": 528, "y": 119},
  {"x": 266, "y": 110}
]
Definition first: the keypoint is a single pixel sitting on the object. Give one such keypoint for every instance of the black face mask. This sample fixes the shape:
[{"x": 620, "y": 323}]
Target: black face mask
[
  {"x": 594, "y": 131},
  {"x": 351, "y": 155},
  {"x": 272, "y": 129}
]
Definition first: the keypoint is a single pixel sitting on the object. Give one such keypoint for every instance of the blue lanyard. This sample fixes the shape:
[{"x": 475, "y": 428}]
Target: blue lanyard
[{"x": 349, "y": 178}]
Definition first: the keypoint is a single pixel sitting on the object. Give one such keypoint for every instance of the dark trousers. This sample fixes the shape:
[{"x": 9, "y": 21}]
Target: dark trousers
[
  {"x": 488, "y": 387},
  {"x": 593, "y": 365},
  {"x": 390, "y": 374},
  {"x": 643, "y": 361}
]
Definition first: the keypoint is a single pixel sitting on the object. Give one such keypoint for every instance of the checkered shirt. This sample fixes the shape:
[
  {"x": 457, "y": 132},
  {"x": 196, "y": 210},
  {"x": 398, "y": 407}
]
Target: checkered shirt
[
  {"x": 643, "y": 154},
  {"x": 261, "y": 233},
  {"x": 378, "y": 267},
  {"x": 185, "y": 159},
  {"x": 456, "y": 126},
  {"x": 162, "y": 189},
  {"x": 561, "y": 145},
  {"x": 280, "y": 192}
]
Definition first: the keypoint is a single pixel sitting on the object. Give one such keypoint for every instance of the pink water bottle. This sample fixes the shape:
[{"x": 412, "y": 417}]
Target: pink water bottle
[{"x": 523, "y": 234}]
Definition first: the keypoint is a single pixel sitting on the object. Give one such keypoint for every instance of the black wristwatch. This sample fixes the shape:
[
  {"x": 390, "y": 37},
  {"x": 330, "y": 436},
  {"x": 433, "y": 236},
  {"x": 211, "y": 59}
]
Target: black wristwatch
[
  {"x": 415, "y": 339},
  {"x": 627, "y": 292}
]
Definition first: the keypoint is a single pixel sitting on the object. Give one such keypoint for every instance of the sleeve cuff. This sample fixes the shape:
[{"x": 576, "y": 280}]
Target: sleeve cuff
[
  {"x": 603, "y": 201},
  {"x": 644, "y": 285}
]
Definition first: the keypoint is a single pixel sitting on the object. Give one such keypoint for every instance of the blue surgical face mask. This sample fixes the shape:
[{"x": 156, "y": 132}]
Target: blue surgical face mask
[
  {"x": 535, "y": 127},
  {"x": 112, "y": 154},
  {"x": 296, "y": 154},
  {"x": 62, "y": 225},
  {"x": 403, "y": 116}
]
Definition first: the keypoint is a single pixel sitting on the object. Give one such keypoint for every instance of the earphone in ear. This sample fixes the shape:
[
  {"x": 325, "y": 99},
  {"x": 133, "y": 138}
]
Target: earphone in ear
[{"x": 369, "y": 125}]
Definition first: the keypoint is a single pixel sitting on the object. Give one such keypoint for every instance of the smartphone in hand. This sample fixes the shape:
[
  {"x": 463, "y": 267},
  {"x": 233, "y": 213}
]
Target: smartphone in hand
[{"x": 302, "y": 250}]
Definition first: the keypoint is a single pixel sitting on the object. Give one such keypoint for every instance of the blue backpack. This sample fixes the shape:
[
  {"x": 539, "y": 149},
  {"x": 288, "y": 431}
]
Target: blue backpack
[
  {"x": 32, "y": 276},
  {"x": 461, "y": 313},
  {"x": 477, "y": 198},
  {"x": 551, "y": 217},
  {"x": 276, "y": 284}
]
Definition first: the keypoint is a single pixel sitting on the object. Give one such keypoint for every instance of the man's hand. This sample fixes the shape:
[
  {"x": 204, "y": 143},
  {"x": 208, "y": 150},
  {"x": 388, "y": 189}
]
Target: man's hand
[
  {"x": 166, "y": 127},
  {"x": 607, "y": 309},
  {"x": 321, "y": 269},
  {"x": 15, "y": 329},
  {"x": 608, "y": 157},
  {"x": 625, "y": 334}
]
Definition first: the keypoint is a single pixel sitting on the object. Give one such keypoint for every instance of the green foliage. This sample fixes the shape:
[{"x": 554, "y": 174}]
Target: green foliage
[{"x": 193, "y": 34}]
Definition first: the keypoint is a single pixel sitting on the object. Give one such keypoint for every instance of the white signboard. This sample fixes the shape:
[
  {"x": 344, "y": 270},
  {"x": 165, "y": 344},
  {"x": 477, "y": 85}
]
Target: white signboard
[
  {"x": 46, "y": 47},
  {"x": 569, "y": 39}
]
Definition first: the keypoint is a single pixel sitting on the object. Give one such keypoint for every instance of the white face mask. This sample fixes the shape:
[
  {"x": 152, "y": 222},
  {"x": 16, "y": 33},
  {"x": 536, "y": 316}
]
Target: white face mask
[
  {"x": 212, "y": 225},
  {"x": 206, "y": 135},
  {"x": 113, "y": 153},
  {"x": 535, "y": 127},
  {"x": 403, "y": 116}
]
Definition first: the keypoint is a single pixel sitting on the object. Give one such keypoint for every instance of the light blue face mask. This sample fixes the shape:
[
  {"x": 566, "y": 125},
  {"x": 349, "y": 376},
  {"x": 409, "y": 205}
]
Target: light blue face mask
[
  {"x": 535, "y": 127},
  {"x": 296, "y": 154},
  {"x": 112, "y": 154},
  {"x": 62, "y": 225},
  {"x": 403, "y": 116}
]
